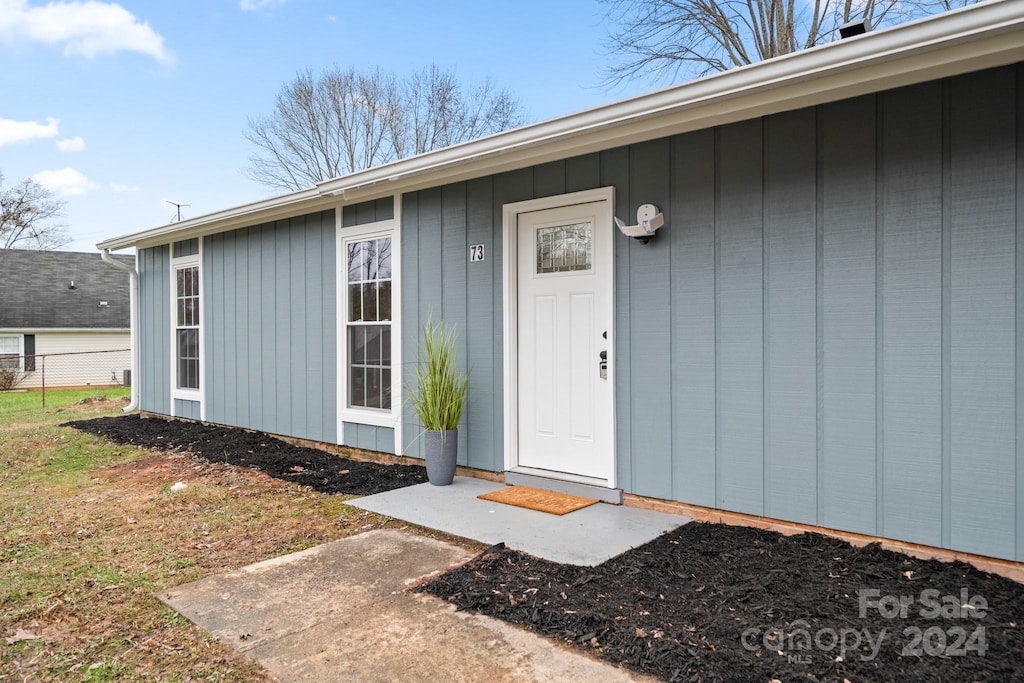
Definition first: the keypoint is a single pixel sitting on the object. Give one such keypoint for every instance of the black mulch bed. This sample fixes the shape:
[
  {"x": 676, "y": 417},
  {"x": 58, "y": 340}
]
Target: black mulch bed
[
  {"x": 710, "y": 602},
  {"x": 310, "y": 467},
  {"x": 707, "y": 602}
]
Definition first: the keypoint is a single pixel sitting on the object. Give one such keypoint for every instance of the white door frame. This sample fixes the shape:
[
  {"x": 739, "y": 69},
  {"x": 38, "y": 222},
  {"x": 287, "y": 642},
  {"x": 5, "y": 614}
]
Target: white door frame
[{"x": 510, "y": 303}]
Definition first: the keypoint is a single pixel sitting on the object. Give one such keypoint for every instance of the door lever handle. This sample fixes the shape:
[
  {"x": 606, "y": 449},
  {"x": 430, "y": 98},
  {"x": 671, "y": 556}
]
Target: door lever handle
[{"x": 602, "y": 364}]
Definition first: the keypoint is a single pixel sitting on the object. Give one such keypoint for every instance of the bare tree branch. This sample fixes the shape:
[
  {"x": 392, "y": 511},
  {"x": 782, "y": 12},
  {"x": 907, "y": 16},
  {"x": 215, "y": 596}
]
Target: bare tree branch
[
  {"x": 28, "y": 212},
  {"x": 343, "y": 121},
  {"x": 664, "y": 40}
]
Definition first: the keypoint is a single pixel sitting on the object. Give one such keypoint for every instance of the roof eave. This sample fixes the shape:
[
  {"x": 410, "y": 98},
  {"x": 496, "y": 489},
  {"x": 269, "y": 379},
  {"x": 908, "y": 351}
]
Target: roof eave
[{"x": 262, "y": 211}]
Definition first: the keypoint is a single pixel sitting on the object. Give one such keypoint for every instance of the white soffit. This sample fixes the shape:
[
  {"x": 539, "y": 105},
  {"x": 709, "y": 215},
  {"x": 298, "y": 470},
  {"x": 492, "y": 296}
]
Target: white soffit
[{"x": 980, "y": 36}]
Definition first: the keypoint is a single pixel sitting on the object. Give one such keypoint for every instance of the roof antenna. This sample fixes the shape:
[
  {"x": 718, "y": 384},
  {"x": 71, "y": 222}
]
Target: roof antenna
[{"x": 178, "y": 206}]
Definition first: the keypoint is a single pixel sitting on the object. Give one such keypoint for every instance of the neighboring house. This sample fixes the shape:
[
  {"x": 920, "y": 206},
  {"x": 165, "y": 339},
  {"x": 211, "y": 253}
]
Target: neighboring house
[
  {"x": 60, "y": 302},
  {"x": 828, "y": 330}
]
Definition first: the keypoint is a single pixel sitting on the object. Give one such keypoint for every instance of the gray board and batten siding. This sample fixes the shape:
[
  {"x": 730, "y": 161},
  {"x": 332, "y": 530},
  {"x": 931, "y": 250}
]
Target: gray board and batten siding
[
  {"x": 154, "y": 334},
  {"x": 270, "y": 340},
  {"x": 268, "y": 317},
  {"x": 829, "y": 330}
]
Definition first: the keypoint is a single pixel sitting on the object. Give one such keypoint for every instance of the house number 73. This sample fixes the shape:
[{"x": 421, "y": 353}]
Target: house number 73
[{"x": 476, "y": 252}]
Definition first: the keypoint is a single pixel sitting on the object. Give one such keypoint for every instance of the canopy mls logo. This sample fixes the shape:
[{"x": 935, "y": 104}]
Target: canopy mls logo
[{"x": 798, "y": 643}]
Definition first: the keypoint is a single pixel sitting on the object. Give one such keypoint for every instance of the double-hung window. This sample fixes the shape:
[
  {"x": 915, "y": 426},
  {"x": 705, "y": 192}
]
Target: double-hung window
[
  {"x": 187, "y": 327},
  {"x": 10, "y": 351},
  {"x": 368, "y": 269},
  {"x": 186, "y": 322},
  {"x": 369, "y": 328}
]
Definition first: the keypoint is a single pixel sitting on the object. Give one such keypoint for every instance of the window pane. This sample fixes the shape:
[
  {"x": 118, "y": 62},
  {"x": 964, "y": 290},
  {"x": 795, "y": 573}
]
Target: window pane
[
  {"x": 371, "y": 259},
  {"x": 384, "y": 256},
  {"x": 188, "y": 359},
  {"x": 373, "y": 345},
  {"x": 370, "y": 301},
  {"x": 385, "y": 345},
  {"x": 195, "y": 281},
  {"x": 356, "y": 262},
  {"x": 385, "y": 394},
  {"x": 357, "y": 391},
  {"x": 372, "y": 388},
  {"x": 188, "y": 343},
  {"x": 357, "y": 344},
  {"x": 355, "y": 303},
  {"x": 385, "y": 300},
  {"x": 180, "y": 277}
]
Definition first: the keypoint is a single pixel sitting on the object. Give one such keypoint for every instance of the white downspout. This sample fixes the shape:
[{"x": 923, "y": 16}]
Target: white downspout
[{"x": 133, "y": 305}]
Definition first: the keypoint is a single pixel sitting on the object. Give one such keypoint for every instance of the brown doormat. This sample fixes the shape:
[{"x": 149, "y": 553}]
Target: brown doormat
[{"x": 536, "y": 499}]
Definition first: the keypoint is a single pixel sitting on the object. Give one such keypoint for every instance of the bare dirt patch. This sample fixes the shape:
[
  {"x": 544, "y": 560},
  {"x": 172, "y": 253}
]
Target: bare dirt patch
[{"x": 93, "y": 529}]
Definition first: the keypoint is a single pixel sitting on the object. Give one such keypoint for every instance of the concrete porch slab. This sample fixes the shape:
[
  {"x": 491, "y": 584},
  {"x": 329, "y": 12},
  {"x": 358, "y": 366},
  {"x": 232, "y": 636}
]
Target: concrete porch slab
[{"x": 585, "y": 537}]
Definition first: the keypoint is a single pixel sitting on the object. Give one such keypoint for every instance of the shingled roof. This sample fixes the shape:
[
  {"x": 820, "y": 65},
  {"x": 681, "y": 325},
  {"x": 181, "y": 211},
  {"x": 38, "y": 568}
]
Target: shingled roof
[{"x": 36, "y": 290}]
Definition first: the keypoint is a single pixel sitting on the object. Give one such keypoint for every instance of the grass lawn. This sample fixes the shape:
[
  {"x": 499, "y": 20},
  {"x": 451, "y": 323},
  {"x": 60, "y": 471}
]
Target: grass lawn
[
  {"x": 91, "y": 530},
  {"x": 12, "y": 402}
]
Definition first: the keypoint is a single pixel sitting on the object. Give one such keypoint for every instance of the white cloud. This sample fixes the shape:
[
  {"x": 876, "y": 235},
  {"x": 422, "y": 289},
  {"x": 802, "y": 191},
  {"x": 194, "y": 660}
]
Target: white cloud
[
  {"x": 65, "y": 181},
  {"x": 23, "y": 131},
  {"x": 83, "y": 27},
  {"x": 75, "y": 144},
  {"x": 256, "y": 5},
  {"x": 118, "y": 187}
]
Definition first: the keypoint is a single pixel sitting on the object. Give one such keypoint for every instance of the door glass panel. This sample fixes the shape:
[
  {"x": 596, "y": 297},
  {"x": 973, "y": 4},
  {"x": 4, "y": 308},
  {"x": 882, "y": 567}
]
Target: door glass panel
[{"x": 565, "y": 248}]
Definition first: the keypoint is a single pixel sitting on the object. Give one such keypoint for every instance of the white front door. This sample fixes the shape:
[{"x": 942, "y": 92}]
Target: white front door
[{"x": 565, "y": 385}]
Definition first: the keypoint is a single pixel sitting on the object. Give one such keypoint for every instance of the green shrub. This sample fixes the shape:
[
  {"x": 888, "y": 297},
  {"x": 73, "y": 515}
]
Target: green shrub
[{"x": 439, "y": 396}]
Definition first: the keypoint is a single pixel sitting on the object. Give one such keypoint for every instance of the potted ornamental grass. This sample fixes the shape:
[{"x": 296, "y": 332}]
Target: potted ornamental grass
[{"x": 439, "y": 398}]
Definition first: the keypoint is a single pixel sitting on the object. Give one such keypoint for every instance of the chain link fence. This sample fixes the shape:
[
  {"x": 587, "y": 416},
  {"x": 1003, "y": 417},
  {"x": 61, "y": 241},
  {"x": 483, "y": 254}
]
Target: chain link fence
[{"x": 58, "y": 371}]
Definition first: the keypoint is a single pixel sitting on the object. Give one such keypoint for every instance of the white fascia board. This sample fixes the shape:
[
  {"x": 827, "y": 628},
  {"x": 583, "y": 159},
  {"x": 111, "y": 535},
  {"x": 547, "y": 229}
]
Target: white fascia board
[
  {"x": 968, "y": 39},
  {"x": 228, "y": 219}
]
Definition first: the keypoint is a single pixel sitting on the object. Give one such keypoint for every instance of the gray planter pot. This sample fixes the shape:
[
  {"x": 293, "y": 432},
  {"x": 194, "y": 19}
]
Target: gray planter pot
[{"x": 441, "y": 450}]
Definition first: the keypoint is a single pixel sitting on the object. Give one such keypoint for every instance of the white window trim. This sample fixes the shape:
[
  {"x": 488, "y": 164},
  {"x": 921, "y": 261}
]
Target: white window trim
[
  {"x": 188, "y": 394},
  {"x": 370, "y": 416},
  {"x": 21, "y": 349}
]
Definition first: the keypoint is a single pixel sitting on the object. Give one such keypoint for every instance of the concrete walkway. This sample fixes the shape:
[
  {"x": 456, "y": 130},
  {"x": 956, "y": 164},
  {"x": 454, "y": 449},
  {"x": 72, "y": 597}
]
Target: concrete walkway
[
  {"x": 340, "y": 612},
  {"x": 585, "y": 537}
]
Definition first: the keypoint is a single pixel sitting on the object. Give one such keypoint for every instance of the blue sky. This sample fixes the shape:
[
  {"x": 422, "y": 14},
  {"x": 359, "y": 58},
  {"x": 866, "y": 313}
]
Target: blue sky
[{"x": 119, "y": 106}]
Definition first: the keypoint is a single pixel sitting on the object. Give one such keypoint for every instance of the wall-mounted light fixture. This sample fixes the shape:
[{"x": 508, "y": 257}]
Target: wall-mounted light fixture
[
  {"x": 648, "y": 220},
  {"x": 72, "y": 285}
]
